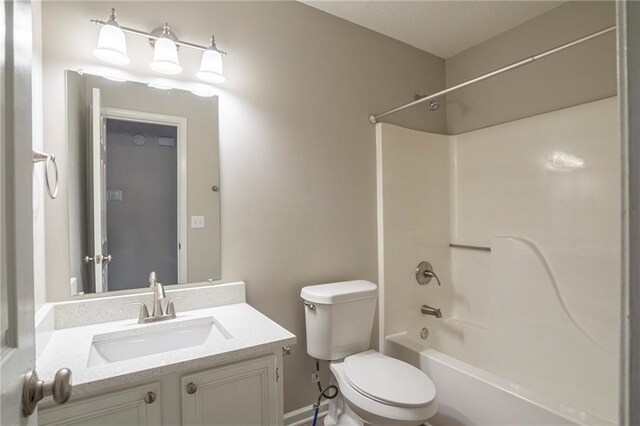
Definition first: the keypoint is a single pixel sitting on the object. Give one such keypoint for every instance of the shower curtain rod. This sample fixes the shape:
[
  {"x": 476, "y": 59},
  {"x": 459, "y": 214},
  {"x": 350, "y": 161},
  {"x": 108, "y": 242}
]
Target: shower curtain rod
[{"x": 373, "y": 118}]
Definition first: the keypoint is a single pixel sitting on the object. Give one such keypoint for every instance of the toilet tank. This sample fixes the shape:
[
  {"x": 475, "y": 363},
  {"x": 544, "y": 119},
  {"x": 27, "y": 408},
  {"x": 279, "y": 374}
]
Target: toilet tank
[{"x": 339, "y": 318}]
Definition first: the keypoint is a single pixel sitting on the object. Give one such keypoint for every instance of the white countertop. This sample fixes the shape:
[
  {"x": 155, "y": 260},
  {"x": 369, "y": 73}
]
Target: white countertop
[{"x": 251, "y": 333}]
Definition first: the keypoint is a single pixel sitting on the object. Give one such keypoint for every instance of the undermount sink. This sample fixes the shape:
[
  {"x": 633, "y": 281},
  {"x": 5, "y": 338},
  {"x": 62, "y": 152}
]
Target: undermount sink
[{"x": 154, "y": 339}]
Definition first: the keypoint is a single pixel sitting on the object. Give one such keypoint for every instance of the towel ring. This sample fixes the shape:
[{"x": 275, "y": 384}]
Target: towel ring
[{"x": 38, "y": 157}]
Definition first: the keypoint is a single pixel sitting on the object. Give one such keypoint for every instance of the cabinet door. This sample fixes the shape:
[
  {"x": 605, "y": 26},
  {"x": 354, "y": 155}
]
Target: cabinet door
[
  {"x": 122, "y": 408},
  {"x": 245, "y": 393}
]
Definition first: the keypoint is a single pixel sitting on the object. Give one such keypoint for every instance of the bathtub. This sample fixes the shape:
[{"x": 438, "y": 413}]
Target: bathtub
[{"x": 468, "y": 395}]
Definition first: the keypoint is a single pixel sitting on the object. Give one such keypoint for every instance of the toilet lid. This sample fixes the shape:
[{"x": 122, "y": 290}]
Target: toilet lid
[{"x": 388, "y": 380}]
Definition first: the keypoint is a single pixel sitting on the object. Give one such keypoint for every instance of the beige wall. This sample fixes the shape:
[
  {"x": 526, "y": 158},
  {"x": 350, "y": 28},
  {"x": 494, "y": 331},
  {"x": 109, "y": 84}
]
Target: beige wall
[
  {"x": 297, "y": 151},
  {"x": 580, "y": 74}
]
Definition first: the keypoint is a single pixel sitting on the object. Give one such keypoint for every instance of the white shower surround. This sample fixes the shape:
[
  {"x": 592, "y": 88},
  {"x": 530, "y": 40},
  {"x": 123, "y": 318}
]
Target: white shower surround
[{"x": 542, "y": 309}]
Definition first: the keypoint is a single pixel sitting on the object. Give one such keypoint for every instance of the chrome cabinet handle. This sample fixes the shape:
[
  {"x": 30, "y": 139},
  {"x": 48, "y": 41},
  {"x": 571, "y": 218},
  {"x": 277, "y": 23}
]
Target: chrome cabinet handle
[
  {"x": 34, "y": 389},
  {"x": 424, "y": 273},
  {"x": 192, "y": 388}
]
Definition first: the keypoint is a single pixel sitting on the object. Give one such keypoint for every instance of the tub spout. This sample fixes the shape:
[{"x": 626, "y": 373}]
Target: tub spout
[{"x": 428, "y": 310}]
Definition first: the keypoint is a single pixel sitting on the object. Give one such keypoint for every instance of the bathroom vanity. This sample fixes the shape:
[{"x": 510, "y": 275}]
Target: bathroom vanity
[{"x": 218, "y": 362}]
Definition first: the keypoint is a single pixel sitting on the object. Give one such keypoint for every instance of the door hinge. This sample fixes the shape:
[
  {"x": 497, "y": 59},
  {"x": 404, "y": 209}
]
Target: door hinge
[{"x": 277, "y": 374}]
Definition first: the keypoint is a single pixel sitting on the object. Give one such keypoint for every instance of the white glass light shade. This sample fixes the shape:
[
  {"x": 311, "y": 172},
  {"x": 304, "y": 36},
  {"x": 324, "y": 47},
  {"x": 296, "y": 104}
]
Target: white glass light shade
[
  {"x": 112, "y": 46},
  {"x": 165, "y": 57},
  {"x": 211, "y": 67}
]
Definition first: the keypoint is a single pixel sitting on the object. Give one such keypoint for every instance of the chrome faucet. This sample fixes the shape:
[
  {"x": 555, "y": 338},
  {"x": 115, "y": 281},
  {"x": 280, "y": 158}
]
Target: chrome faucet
[
  {"x": 428, "y": 310},
  {"x": 158, "y": 295}
]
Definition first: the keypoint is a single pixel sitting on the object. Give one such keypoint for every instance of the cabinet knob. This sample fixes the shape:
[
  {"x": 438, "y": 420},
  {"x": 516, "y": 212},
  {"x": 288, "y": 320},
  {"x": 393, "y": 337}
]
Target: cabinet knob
[
  {"x": 192, "y": 388},
  {"x": 150, "y": 397}
]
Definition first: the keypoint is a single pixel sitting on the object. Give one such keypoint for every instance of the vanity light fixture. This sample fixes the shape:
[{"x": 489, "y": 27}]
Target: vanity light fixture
[
  {"x": 211, "y": 64},
  {"x": 165, "y": 54},
  {"x": 112, "y": 45},
  {"x": 112, "y": 48}
]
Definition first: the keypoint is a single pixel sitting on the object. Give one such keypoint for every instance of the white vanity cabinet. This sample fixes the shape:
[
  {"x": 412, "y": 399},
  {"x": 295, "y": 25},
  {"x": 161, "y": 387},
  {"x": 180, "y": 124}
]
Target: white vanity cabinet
[
  {"x": 246, "y": 392},
  {"x": 226, "y": 370},
  {"x": 136, "y": 406}
]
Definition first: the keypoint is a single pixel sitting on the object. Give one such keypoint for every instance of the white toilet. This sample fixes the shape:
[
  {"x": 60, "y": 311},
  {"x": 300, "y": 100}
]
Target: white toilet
[{"x": 374, "y": 389}]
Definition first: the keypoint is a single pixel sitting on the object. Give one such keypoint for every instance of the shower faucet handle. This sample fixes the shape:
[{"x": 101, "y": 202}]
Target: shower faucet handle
[
  {"x": 431, "y": 274},
  {"x": 424, "y": 273}
]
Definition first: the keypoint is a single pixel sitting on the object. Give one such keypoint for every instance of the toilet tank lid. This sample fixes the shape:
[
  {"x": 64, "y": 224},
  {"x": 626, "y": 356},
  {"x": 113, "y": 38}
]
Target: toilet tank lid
[{"x": 346, "y": 291}]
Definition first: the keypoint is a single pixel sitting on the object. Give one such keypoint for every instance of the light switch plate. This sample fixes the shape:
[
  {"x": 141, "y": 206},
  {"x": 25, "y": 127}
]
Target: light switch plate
[
  {"x": 197, "y": 222},
  {"x": 73, "y": 282}
]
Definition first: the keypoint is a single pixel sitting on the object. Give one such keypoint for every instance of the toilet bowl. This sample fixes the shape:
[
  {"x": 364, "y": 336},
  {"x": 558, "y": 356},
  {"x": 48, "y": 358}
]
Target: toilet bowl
[
  {"x": 374, "y": 389},
  {"x": 380, "y": 390}
]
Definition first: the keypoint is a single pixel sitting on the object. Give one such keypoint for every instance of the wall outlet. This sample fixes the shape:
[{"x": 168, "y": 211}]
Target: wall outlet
[
  {"x": 197, "y": 222},
  {"x": 315, "y": 377}
]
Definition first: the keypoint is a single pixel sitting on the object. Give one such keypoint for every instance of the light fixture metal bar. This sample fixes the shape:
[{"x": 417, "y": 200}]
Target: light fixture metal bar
[
  {"x": 373, "y": 118},
  {"x": 155, "y": 37}
]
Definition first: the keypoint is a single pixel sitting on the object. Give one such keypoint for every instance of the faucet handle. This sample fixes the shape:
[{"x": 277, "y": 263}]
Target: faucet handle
[
  {"x": 144, "y": 311},
  {"x": 425, "y": 273},
  {"x": 153, "y": 279},
  {"x": 431, "y": 274},
  {"x": 171, "y": 308}
]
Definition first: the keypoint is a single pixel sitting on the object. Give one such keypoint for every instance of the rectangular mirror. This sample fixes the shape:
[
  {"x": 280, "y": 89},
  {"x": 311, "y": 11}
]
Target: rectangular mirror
[{"x": 143, "y": 173}]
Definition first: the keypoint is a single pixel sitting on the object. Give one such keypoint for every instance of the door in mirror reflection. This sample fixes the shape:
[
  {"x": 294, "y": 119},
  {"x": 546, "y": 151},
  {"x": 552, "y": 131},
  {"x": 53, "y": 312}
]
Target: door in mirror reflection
[
  {"x": 142, "y": 203},
  {"x": 134, "y": 193}
]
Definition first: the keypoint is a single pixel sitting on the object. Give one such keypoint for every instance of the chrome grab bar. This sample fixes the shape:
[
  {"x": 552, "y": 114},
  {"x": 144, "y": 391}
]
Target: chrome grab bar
[{"x": 469, "y": 247}]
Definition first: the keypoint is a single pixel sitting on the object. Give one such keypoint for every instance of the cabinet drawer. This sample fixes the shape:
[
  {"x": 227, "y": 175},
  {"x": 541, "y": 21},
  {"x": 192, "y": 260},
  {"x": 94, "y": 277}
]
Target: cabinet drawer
[{"x": 126, "y": 407}]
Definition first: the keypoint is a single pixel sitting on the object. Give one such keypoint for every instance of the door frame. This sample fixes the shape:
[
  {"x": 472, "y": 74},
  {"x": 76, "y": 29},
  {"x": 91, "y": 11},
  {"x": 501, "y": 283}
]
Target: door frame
[
  {"x": 181, "y": 124},
  {"x": 16, "y": 205},
  {"x": 628, "y": 38}
]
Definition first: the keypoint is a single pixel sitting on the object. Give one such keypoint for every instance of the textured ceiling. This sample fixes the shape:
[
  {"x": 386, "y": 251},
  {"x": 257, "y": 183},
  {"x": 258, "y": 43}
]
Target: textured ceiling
[{"x": 442, "y": 28}]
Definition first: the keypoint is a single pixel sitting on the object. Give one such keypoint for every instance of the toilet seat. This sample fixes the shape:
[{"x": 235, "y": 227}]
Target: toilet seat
[
  {"x": 388, "y": 380},
  {"x": 366, "y": 400}
]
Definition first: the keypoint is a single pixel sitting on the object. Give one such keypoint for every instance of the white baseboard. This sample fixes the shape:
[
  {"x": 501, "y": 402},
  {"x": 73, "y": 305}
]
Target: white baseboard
[{"x": 304, "y": 414}]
